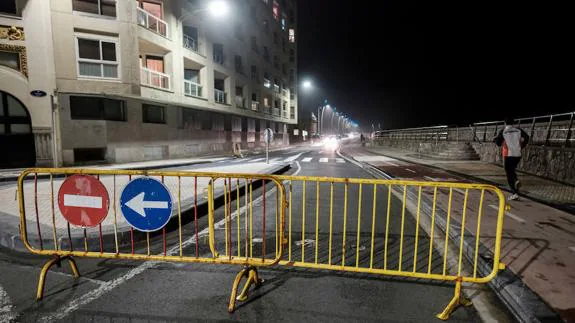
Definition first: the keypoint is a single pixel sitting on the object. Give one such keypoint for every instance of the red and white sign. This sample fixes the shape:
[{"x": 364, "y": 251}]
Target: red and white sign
[{"x": 83, "y": 200}]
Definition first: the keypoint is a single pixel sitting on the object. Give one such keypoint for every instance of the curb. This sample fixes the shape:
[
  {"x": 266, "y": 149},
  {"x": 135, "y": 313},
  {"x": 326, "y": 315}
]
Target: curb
[
  {"x": 12, "y": 241},
  {"x": 562, "y": 207},
  {"x": 524, "y": 304}
]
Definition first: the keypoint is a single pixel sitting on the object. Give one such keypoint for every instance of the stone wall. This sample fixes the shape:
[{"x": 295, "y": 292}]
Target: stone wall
[{"x": 556, "y": 163}]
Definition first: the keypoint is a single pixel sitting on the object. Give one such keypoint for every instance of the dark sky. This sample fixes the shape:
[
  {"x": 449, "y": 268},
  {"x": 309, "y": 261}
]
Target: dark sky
[{"x": 408, "y": 63}]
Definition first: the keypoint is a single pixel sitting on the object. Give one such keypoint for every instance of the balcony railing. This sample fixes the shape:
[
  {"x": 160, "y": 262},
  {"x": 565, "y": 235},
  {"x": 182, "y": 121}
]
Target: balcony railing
[
  {"x": 276, "y": 112},
  {"x": 267, "y": 83},
  {"x": 240, "y": 102},
  {"x": 267, "y": 110},
  {"x": 285, "y": 93},
  {"x": 292, "y": 115},
  {"x": 155, "y": 79},
  {"x": 255, "y": 106},
  {"x": 284, "y": 114},
  {"x": 276, "y": 88},
  {"x": 190, "y": 43},
  {"x": 220, "y": 96},
  {"x": 152, "y": 22},
  {"x": 192, "y": 89}
]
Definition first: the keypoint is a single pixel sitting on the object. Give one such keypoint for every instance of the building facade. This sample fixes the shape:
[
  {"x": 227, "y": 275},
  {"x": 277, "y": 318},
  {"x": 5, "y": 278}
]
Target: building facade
[{"x": 130, "y": 80}]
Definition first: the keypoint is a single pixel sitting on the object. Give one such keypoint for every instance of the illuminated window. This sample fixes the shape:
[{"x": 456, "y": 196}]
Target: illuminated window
[
  {"x": 292, "y": 36},
  {"x": 276, "y": 10}
]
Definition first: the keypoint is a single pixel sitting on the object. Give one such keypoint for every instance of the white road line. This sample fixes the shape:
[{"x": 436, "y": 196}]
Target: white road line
[
  {"x": 511, "y": 215},
  {"x": 323, "y": 160},
  {"x": 256, "y": 160},
  {"x": 340, "y": 160},
  {"x": 307, "y": 159},
  {"x": 93, "y": 295},
  {"x": 292, "y": 158},
  {"x": 392, "y": 164},
  {"x": 431, "y": 179},
  {"x": 7, "y": 313},
  {"x": 410, "y": 170}
]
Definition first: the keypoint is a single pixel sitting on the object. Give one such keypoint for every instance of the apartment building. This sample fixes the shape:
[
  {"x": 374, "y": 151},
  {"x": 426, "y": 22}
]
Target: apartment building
[{"x": 84, "y": 81}]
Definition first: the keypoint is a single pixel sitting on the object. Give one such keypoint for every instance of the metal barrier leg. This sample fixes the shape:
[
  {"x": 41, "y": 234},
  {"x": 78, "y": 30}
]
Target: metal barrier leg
[
  {"x": 456, "y": 301},
  {"x": 253, "y": 279},
  {"x": 54, "y": 261}
]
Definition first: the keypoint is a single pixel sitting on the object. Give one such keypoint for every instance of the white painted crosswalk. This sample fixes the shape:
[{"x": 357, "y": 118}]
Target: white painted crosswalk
[{"x": 289, "y": 159}]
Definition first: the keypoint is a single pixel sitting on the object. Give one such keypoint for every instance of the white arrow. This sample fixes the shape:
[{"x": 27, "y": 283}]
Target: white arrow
[{"x": 137, "y": 204}]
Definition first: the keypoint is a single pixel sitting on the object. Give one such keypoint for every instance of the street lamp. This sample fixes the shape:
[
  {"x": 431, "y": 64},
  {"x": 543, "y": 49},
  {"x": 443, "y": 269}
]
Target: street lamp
[
  {"x": 307, "y": 84},
  {"x": 320, "y": 119},
  {"x": 218, "y": 8}
]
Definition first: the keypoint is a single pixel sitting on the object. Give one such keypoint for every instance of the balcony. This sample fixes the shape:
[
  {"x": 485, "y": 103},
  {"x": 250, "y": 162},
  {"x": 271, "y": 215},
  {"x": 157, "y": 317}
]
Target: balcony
[
  {"x": 276, "y": 112},
  {"x": 285, "y": 93},
  {"x": 154, "y": 79},
  {"x": 153, "y": 23},
  {"x": 191, "y": 44},
  {"x": 267, "y": 83},
  {"x": 267, "y": 110},
  {"x": 276, "y": 88},
  {"x": 219, "y": 58},
  {"x": 255, "y": 106},
  {"x": 220, "y": 96},
  {"x": 240, "y": 102},
  {"x": 192, "y": 89},
  {"x": 285, "y": 114},
  {"x": 292, "y": 115}
]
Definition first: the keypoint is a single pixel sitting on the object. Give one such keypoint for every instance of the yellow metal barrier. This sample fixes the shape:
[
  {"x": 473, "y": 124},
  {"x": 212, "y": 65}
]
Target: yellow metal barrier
[{"x": 393, "y": 228}]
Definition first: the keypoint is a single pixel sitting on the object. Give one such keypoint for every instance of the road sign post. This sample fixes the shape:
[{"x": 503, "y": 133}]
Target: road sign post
[
  {"x": 268, "y": 137},
  {"x": 83, "y": 200},
  {"x": 146, "y": 204}
]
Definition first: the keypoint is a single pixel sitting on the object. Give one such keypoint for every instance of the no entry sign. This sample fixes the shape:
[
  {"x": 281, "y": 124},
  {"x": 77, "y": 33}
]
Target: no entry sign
[{"x": 83, "y": 200}]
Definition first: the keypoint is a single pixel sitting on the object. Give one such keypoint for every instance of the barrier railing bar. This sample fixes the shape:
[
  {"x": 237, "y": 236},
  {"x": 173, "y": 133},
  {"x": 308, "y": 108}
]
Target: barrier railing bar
[
  {"x": 115, "y": 217},
  {"x": 462, "y": 231},
  {"x": 70, "y": 236},
  {"x": 431, "y": 236},
  {"x": 402, "y": 226},
  {"x": 303, "y": 223},
  {"x": 246, "y": 225},
  {"x": 387, "y": 227},
  {"x": 359, "y": 201},
  {"x": 344, "y": 245},
  {"x": 373, "y": 225},
  {"x": 226, "y": 214},
  {"x": 164, "y": 228},
  {"x": 447, "y": 231},
  {"x": 131, "y": 228},
  {"x": 54, "y": 233},
  {"x": 239, "y": 217},
  {"x": 196, "y": 215},
  {"x": 417, "y": 229},
  {"x": 290, "y": 220},
  {"x": 37, "y": 212},
  {"x": 148, "y": 242},
  {"x": 316, "y": 219},
  {"x": 229, "y": 218},
  {"x": 179, "y": 217},
  {"x": 277, "y": 220},
  {"x": 264, "y": 221},
  {"x": 330, "y": 220},
  {"x": 480, "y": 212},
  {"x": 251, "y": 220}
]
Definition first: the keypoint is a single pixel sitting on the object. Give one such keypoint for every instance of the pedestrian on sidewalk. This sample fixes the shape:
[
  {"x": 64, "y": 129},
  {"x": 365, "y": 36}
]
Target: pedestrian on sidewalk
[{"x": 512, "y": 140}]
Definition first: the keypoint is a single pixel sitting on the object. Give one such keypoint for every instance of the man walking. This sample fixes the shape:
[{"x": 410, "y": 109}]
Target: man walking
[{"x": 511, "y": 140}]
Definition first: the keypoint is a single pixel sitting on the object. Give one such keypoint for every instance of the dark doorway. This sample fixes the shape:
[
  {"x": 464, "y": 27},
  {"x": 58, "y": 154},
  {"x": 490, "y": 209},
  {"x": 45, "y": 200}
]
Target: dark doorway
[{"x": 16, "y": 138}]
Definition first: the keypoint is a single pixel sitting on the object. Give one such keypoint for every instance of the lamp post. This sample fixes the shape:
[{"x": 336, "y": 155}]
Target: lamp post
[{"x": 322, "y": 110}]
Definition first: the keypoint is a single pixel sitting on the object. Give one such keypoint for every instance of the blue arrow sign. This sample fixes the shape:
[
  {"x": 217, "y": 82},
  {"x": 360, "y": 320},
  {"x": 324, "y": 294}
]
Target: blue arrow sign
[{"x": 146, "y": 204}]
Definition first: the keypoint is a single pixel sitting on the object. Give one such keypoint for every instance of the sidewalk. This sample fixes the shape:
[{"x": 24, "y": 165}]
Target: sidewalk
[
  {"x": 8, "y": 175},
  {"x": 539, "y": 241},
  {"x": 9, "y": 215}
]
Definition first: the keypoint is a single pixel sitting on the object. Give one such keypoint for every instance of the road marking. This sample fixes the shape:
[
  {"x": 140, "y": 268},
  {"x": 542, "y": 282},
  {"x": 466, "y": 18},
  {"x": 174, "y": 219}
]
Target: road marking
[
  {"x": 410, "y": 170},
  {"x": 275, "y": 160},
  {"x": 292, "y": 158},
  {"x": 307, "y": 159},
  {"x": 340, "y": 160},
  {"x": 392, "y": 164},
  {"x": 572, "y": 248},
  {"x": 92, "y": 202},
  {"x": 108, "y": 286},
  {"x": 431, "y": 179},
  {"x": 256, "y": 160},
  {"x": 511, "y": 215},
  {"x": 323, "y": 160},
  {"x": 7, "y": 313}
]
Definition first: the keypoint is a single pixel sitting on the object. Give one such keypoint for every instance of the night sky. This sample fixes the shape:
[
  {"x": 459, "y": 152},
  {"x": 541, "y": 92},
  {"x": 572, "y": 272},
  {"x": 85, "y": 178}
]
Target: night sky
[{"x": 408, "y": 63}]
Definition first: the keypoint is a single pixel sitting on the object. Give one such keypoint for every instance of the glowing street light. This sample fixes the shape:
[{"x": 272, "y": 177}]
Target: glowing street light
[
  {"x": 218, "y": 8},
  {"x": 307, "y": 84}
]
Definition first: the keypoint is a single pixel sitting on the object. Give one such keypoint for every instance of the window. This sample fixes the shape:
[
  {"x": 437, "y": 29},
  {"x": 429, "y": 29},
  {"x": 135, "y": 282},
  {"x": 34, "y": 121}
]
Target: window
[
  {"x": 10, "y": 59},
  {"x": 276, "y": 10},
  {"x": 276, "y": 39},
  {"x": 266, "y": 53},
  {"x": 97, "y": 7},
  {"x": 238, "y": 31},
  {"x": 276, "y": 62},
  {"x": 254, "y": 73},
  {"x": 97, "y": 57},
  {"x": 292, "y": 35},
  {"x": 254, "y": 43},
  {"x": 291, "y": 16},
  {"x": 94, "y": 108},
  {"x": 219, "y": 53},
  {"x": 153, "y": 114},
  {"x": 151, "y": 7},
  {"x": 238, "y": 64},
  {"x": 8, "y": 6},
  {"x": 188, "y": 119}
]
